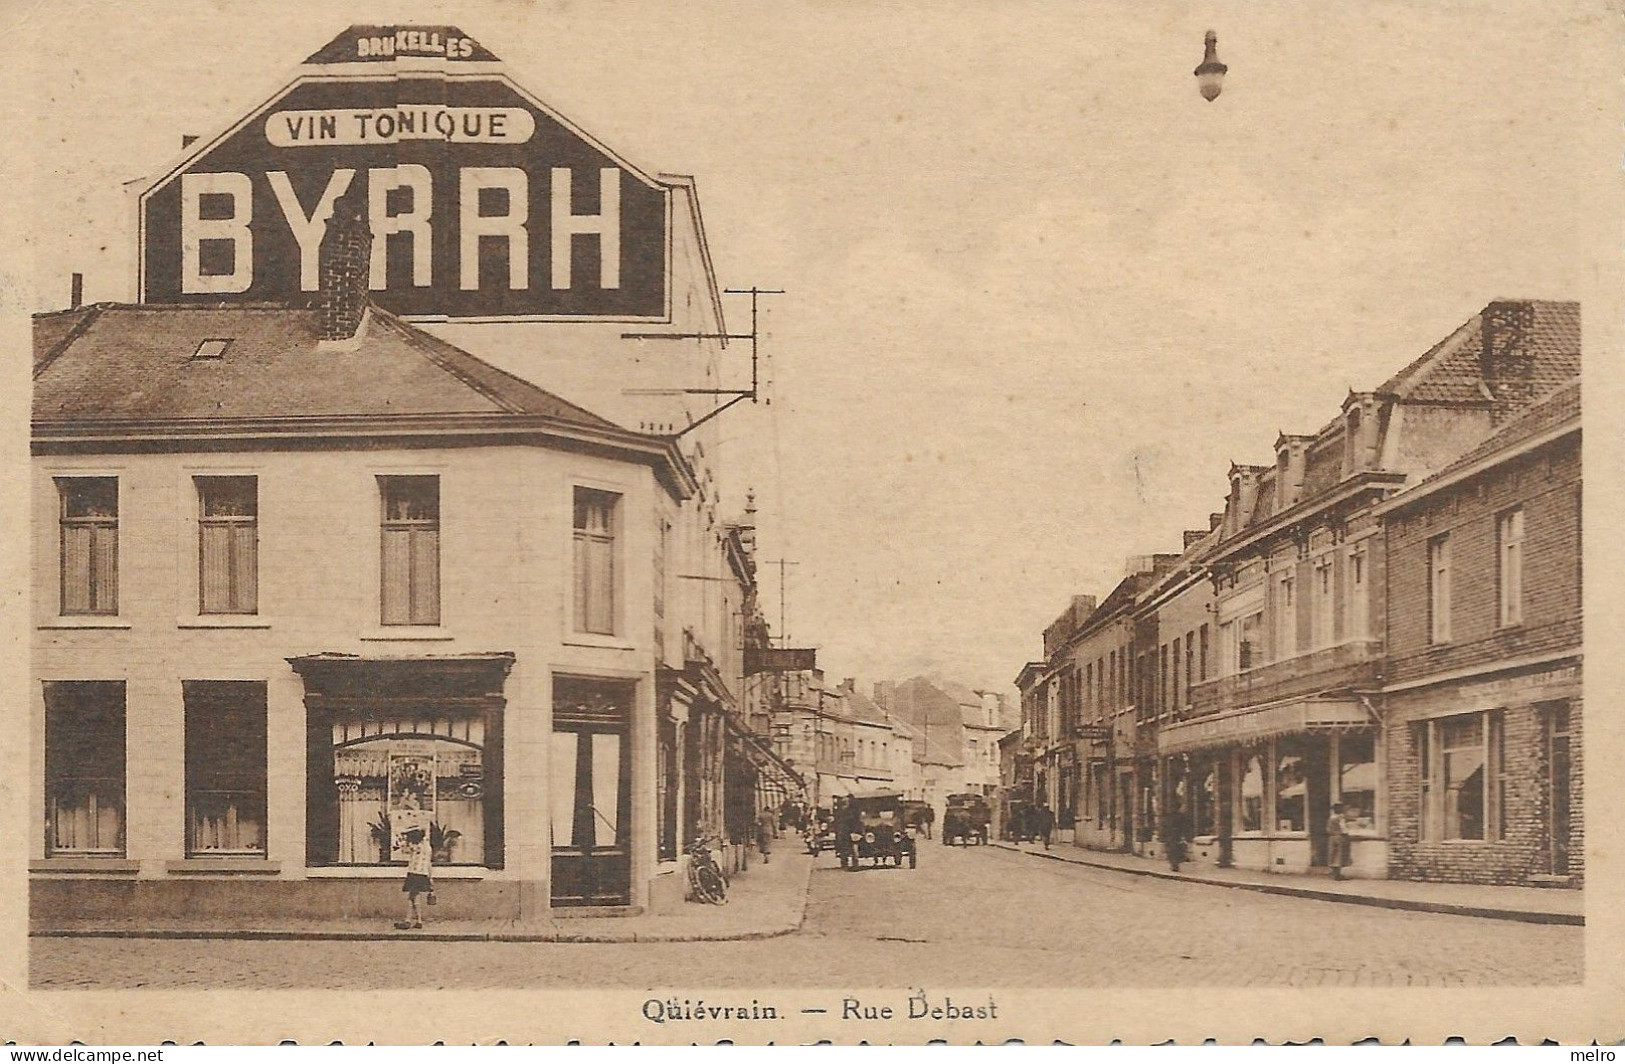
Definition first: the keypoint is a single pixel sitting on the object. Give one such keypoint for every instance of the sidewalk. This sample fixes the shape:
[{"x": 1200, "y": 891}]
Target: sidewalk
[
  {"x": 764, "y": 902},
  {"x": 1529, "y": 904}
]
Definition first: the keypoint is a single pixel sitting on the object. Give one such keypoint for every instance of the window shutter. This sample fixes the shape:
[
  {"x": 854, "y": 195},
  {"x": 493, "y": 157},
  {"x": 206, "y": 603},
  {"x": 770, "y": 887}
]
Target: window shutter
[{"x": 104, "y": 566}]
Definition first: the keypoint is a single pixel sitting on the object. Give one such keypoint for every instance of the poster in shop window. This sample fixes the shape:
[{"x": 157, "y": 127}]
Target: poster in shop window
[{"x": 411, "y": 794}]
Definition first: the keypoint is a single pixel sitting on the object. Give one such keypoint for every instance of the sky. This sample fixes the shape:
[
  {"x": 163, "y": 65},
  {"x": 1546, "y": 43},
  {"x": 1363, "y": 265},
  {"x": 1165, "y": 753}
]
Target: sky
[{"x": 1039, "y": 292}]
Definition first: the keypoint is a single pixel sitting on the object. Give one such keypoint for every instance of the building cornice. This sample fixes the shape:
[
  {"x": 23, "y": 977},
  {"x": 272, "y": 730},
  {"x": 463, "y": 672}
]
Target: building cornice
[
  {"x": 1350, "y": 488},
  {"x": 79, "y": 436}
]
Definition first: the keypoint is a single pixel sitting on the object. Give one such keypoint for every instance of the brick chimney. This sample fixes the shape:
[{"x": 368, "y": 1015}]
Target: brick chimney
[
  {"x": 343, "y": 271},
  {"x": 1194, "y": 536}
]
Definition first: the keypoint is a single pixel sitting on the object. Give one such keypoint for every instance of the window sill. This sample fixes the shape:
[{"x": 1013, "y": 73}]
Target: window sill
[
  {"x": 223, "y": 866},
  {"x": 85, "y": 622},
  {"x": 396, "y": 872},
  {"x": 601, "y": 642},
  {"x": 407, "y": 633},
  {"x": 224, "y": 620},
  {"x": 105, "y": 866}
]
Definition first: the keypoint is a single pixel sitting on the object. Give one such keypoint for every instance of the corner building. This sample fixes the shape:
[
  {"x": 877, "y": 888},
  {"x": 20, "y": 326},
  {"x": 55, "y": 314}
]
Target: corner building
[{"x": 307, "y": 574}]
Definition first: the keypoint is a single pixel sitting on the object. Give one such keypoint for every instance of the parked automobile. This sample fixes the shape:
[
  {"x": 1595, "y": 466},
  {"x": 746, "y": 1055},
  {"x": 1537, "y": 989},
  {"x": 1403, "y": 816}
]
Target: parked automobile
[
  {"x": 1021, "y": 822},
  {"x": 870, "y": 827},
  {"x": 820, "y": 831},
  {"x": 919, "y": 816},
  {"x": 966, "y": 819}
]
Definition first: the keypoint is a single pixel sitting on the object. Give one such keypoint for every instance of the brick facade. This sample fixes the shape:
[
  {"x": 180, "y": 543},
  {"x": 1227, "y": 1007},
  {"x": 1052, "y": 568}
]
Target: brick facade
[{"x": 1521, "y": 674}]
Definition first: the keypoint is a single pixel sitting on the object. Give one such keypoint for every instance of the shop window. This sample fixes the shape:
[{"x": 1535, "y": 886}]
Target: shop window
[
  {"x": 228, "y": 544},
  {"x": 410, "y": 583},
  {"x": 225, "y": 767},
  {"x": 1357, "y": 781},
  {"x": 595, "y": 530},
  {"x": 1462, "y": 763},
  {"x": 89, "y": 544},
  {"x": 1250, "y": 807},
  {"x": 1439, "y": 589},
  {"x": 1291, "y": 786},
  {"x": 1205, "y": 804},
  {"x": 84, "y": 768},
  {"x": 423, "y": 771},
  {"x": 1509, "y": 536}
]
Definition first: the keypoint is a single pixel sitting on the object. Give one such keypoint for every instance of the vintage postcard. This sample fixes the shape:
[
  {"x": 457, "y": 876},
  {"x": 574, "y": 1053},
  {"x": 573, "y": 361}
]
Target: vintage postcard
[{"x": 797, "y": 522}]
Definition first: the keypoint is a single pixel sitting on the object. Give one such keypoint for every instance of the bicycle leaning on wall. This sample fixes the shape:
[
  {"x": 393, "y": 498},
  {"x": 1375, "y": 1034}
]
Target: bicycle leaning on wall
[{"x": 706, "y": 881}]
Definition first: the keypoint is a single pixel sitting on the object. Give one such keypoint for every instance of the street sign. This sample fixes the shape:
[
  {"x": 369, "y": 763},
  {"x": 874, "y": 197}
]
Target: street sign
[{"x": 484, "y": 204}]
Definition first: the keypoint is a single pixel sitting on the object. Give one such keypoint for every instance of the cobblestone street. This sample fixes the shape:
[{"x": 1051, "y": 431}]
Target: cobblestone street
[{"x": 964, "y": 917}]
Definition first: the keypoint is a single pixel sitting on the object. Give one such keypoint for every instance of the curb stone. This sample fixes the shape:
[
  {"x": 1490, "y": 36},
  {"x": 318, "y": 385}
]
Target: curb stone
[{"x": 1531, "y": 916}]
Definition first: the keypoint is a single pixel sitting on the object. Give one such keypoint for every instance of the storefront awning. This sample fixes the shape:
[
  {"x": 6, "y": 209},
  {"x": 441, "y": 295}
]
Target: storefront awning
[
  {"x": 754, "y": 749},
  {"x": 1254, "y": 723}
]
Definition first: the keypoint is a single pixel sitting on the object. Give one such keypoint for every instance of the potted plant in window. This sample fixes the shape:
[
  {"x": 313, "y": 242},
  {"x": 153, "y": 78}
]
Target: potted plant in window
[
  {"x": 442, "y": 841},
  {"x": 379, "y": 830}
]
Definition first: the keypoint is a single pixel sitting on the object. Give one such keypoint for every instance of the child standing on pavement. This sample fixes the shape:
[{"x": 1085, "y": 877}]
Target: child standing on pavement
[{"x": 417, "y": 877}]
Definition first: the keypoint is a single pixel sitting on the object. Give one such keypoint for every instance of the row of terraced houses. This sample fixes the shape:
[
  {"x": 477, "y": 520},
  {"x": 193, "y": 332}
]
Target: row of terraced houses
[{"x": 1387, "y": 617}]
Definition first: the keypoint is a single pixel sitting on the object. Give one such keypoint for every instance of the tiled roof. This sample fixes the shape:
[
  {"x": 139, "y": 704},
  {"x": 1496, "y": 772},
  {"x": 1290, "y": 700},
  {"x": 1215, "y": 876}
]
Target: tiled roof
[
  {"x": 1452, "y": 370},
  {"x": 863, "y": 708},
  {"x": 135, "y": 362}
]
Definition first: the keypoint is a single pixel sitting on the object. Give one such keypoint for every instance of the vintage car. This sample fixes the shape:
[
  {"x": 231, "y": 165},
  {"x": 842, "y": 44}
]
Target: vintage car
[
  {"x": 919, "y": 816},
  {"x": 966, "y": 819},
  {"x": 820, "y": 831},
  {"x": 1020, "y": 822},
  {"x": 869, "y": 827}
]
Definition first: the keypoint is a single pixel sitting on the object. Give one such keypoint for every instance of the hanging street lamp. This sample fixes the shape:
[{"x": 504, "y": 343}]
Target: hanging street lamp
[{"x": 1210, "y": 75}]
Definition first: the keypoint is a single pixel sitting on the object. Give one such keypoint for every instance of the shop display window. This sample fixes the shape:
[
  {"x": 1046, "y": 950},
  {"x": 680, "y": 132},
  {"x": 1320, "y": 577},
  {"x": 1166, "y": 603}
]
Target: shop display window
[
  {"x": 1357, "y": 781},
  {"x": 1460, "y": 760},
  {"x": 1250, "y": 809},
  {"x": 392, "y": 776},
  {"x": 1291, "y": 786}
]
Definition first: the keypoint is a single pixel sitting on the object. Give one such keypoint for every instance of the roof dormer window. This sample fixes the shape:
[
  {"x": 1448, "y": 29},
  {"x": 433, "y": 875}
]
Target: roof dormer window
[{"x": 212, "y": 350}]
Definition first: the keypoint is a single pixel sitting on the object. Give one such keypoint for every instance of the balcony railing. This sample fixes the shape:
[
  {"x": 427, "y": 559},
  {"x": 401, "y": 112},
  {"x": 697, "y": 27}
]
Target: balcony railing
[{"x": 1352, "y": 664}]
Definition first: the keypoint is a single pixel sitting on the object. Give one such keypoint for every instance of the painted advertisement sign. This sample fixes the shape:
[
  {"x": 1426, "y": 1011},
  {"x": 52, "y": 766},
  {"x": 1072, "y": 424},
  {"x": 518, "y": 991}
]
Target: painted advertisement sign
[{"x": 483, "y": 203}]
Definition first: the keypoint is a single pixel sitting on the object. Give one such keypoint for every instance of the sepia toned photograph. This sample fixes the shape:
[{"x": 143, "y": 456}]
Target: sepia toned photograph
[{"x": 1091, "y": 510}]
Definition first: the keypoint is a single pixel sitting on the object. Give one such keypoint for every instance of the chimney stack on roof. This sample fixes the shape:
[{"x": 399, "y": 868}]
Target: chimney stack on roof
[
  {"x": 344, "y": 269},
  {"x": 76, "y": 295}
]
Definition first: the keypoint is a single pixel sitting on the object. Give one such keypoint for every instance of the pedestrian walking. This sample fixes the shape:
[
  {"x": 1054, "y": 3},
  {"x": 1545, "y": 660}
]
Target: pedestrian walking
[
  {"x": 765, "y": 821},
  {"x": 417, "y": 877},
  {"x": 1337, "y": 841},
  {"x": 930, "y": 817},
  {"x": 1046, "y": 823},
  {"x": 1175, "y": 831}
]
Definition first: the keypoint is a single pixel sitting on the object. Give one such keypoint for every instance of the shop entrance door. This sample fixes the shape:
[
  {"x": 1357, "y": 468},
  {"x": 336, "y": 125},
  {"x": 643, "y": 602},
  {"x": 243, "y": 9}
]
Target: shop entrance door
[
  {"x": 1558, "y": 769},
  {"x": 590, "y": 793}
]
